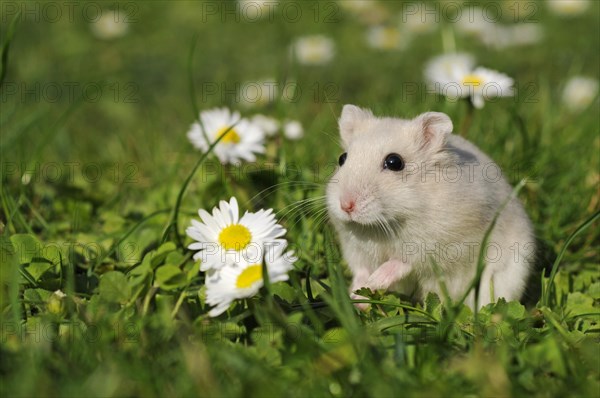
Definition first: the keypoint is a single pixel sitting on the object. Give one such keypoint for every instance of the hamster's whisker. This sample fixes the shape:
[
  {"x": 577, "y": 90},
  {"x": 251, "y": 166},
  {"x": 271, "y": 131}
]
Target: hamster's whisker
[
  {"x": 301, "y": 205},
  {"x": 385, "y": 226},
  {"x": 382, "y": 226},
  {"x": 322, "y": 218},
  {"x": 293, "y": 207},
  {"x": 318, "y": 217},
  {"x": 333, "y": 137},
  {"x": 273, "y": 188},
  {"x": 293, "y": 215}
]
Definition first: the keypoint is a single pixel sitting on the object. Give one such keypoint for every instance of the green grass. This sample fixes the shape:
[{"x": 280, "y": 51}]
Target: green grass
[{"x": 90, "y": 186}]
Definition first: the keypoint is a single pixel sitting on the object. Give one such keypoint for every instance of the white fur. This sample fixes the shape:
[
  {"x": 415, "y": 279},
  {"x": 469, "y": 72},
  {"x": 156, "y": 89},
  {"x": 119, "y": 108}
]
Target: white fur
[{"x": 438, "y": 207}]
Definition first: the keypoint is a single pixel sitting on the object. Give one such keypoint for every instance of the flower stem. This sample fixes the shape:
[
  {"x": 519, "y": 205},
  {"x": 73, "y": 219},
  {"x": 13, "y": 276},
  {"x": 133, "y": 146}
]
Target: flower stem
[
  {"x": 173, "y": 222},
  {"x": 468, "y": 119}
]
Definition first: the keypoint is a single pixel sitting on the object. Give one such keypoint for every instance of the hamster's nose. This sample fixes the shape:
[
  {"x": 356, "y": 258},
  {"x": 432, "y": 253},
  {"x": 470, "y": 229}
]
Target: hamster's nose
[{"x": 347, "y": 205}]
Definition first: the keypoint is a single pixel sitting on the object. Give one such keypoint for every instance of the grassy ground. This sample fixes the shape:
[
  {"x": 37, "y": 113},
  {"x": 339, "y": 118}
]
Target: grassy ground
[{"x": 94, "y": 154}]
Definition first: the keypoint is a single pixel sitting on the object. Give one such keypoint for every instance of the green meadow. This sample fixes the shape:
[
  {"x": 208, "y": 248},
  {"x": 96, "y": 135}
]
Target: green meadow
[{"x": 100, "y": 294}]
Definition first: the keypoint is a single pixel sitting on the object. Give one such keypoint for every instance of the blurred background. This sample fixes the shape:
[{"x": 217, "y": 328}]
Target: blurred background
[
  {"x": 95, "y": 104},
  {"x": 97, "y": 97}
]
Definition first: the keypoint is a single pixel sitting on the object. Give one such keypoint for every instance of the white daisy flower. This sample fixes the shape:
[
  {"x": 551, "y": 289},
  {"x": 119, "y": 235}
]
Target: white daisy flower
[
  {"x": 420, "y": 20},
  {"x": 224, "y": 239},
  {"x": 314, "y": 50},
  {"x": 369, "y": 12},
  {"x": 292, "y": 130},
  {"x": 241, "y": 142},
  {"x": 268, "y": 124},
  {"x": 254, "y": 10},
  {"x": 453, "y": 75},
  {"x": 245, "y": 279},
  {"x": 445, "y": 72},
  {"x": 449, "y": 68},
  {"x": 474, "y": 23},
  {"x": 386, "y": 38},
  {"x": 520, "y": 34},
  {"x": 579, "y": 92},
  {"x": 483, "y": 84},
  {"x": 112, "y": 24},
  {"x": 568, "y": 8},
  {"x": 356, "y": 6},
  {"x": 257, "y": 93}
]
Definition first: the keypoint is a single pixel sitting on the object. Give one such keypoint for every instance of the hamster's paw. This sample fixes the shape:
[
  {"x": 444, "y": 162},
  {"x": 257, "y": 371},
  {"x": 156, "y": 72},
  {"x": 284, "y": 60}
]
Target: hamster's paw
[
  {"x": 389, "y": 272},
  {"x": 360, "y": 306}
]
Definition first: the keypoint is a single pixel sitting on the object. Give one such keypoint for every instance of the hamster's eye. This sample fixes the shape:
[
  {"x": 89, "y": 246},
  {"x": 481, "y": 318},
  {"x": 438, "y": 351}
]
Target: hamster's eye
[
  {"x": 393, "y": 162},
  {"x": 342, "y": 158}
]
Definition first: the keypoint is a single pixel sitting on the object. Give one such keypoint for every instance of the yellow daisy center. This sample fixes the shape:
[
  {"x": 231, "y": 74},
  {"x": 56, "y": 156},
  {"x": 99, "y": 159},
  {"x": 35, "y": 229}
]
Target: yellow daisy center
[
  {"x": 230, "y": 136},
  {"x": 249, "y": 276},
  {"x": 235, "y": 237},
  {"x": 390, "y": 37},
  {"x": 472, "y": 80}
]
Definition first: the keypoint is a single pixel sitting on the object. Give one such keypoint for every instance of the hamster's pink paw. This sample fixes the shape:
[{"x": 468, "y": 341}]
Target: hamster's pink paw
[
  {"x": 389, "y": 272},
  {"x": 360, "y": 306}
]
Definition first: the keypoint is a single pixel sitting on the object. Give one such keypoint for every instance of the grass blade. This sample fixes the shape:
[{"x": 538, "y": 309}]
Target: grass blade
[
  {"x": 6, "y": 47},
  {"x": 475, "y": 283},
  {"x": 174, "y": 221},
  {"x": 580, "y": 229}
]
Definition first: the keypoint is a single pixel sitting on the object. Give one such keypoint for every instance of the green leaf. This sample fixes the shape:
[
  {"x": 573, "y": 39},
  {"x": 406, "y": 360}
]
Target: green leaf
[
  {"x": 515, "y": 310},
  {"x": 284, "y": 291},
  {"x": 170, "y": 277},
  {"x": 174, "y": 258},
  {"x": 339, "y": 356},
  {"x": 579, "y": 303},
  {"x": 38, "y": 296},
  {"x": 38, "y": 267},
  {"x": 433, "y": 305},
  {"x": 594, "y": 290},
  {"x": 28, "y": 247},
  {"x": 114, "y": 287},
  {"x": 159, "y": 255}
]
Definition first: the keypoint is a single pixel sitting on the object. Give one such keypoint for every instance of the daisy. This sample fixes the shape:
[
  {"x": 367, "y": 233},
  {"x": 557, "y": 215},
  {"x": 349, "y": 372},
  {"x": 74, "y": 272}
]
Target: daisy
[
  {"x": 520, "y": 34},
  {"x": 449, "y": 68},
  {"x": 385, "y": 38},
  {"x": 474, "y": 23},
  {"x": 257, "y": 93},
  {"x": 292, "y": 129},
  {"x": 420, "y": 22},
  {"x": 242, "y": 141},
  {"x": 223, "y": 238},
  {"x": 579, "y": 92},
  {"x": 369, "y": 12},
  {"x": 314, "y": 50},
  {"x": 245, "y": 278},
  {"x": 356, "y": 6},
  {"x": 568, "y": 8},
  {"x": 483, "y": 84},
  {"x": 445, "y": 72},
  {"x": 112, "y": 24},
  {"x": 268, "y": 124},
  {"x": 253, "y": 10},
  {"x": 454, "y": 76}
]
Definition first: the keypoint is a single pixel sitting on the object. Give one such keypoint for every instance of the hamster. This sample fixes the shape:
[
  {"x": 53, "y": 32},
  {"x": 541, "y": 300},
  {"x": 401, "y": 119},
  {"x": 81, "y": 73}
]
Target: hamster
[{"x": 411, "y": 203}]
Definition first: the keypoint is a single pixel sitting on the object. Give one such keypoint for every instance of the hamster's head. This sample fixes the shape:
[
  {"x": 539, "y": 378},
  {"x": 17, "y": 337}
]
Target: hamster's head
[{"x": 379, "y": 179}]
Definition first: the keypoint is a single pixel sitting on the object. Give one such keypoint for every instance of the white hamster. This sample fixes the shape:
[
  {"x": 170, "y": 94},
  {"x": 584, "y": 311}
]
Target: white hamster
[{"x": 407, "y": 193}]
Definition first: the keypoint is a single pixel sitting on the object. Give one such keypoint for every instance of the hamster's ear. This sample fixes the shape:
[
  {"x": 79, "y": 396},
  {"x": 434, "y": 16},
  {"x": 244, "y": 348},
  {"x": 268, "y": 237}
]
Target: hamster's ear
[
  {"x": 351, "y": 115},
  {"x": 433, "y": 127}
]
